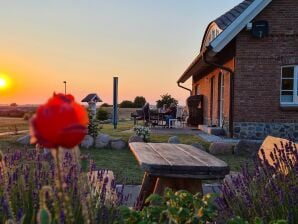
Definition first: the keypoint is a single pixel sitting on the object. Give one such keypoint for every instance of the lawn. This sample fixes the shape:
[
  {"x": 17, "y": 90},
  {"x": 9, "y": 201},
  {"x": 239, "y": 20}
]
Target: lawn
[
  {"x": 8, "y": 142},
  {"x": 122, "y": 162},
  {"x": 125, "y": 166}
]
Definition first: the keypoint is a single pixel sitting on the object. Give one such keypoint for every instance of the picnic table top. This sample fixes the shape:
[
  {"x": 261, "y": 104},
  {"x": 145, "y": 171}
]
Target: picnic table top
[{"x": 178, "y": 160}]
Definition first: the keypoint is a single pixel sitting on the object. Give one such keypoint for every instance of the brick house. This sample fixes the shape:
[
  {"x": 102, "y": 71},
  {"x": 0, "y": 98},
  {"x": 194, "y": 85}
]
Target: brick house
[{"x": 247, "y": 70}]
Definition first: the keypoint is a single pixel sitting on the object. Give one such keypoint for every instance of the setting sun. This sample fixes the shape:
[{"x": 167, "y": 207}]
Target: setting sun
[{"x": 4, "y": 81}]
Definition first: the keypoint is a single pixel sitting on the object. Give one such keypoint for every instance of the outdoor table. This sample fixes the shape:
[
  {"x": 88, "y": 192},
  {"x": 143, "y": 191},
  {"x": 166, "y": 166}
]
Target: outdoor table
[{"x": 177, "y": 166}]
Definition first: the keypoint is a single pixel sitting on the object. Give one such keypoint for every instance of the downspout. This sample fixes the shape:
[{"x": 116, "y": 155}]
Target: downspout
[
  {"x": 178, "y": 83},
  {"x": 231, "y": 132}
]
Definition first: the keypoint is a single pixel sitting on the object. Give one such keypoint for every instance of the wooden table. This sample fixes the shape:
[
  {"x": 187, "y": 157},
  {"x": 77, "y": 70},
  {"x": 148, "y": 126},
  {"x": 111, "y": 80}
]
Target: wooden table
[{"x": 177, "y": 166}]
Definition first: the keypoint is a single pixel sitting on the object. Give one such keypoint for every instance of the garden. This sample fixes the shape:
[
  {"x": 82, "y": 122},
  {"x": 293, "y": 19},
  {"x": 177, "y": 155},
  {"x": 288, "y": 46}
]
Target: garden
[{"x": 70, "y": 184}]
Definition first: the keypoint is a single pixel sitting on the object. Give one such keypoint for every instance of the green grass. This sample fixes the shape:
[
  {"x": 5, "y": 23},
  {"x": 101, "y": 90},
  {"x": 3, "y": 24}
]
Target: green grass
[
  {"x": 11, "y": 124},
  {"x": 122, "y": 162},
  {"x": 8, "y": 142},
  {"x": 236, "y": 161},
  {"x": 125, "y": 166}
]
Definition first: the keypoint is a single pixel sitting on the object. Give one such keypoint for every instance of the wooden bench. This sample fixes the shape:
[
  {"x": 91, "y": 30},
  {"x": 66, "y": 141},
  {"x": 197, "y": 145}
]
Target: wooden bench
[
  {"x": 268, "y": 147},
  {"x": 177, "y": 166}
]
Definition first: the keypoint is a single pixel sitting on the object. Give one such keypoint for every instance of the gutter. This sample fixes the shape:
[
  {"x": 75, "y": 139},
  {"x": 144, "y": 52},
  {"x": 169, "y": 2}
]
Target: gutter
[
  {"x": 231, "y": 131},
  {"x": 178, "y": 83}
]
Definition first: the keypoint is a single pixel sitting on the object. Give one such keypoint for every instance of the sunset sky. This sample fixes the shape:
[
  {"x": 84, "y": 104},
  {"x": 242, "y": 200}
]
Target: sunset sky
[{"x": 146, "y": 43}]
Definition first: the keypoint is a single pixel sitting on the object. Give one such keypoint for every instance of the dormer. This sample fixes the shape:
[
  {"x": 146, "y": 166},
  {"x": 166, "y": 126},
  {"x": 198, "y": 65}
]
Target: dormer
[{"x": 211, "y": 33}]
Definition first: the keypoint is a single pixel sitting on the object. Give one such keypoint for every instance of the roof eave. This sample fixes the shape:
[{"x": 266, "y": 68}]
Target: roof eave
[
  {"x": 227, "y": 35},
  {"x": 237, "y": 25},
  {"x": 187, "y": 73}
]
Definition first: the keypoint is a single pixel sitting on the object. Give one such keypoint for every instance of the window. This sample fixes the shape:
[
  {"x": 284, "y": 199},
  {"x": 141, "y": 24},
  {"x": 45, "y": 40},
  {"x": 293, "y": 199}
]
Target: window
[{"x": 289, "y": 85}]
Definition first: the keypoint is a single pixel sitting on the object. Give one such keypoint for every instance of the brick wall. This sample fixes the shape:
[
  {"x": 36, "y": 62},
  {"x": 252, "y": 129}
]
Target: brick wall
[
  {"x": 258, "y": 65},
  {"x": 204, "y": 81}
]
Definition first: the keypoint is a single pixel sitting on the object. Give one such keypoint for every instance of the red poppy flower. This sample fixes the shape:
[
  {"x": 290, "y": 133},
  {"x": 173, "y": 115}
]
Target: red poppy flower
[{"x": 59, "y": 122}]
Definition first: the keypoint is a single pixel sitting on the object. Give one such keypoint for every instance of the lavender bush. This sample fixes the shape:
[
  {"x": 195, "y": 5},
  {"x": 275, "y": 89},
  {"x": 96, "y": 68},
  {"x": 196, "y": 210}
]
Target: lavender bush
[
  {"x": 269, "y": 192},
  {"x": 30, "y": 192}
]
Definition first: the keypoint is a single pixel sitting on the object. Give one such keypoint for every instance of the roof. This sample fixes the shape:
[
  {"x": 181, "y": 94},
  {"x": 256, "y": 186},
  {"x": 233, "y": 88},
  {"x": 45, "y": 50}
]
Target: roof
[
  {"x": 91, "y": 97},
  {"x": 232, "y": 22},
  {"x": 226, "y": 19}
]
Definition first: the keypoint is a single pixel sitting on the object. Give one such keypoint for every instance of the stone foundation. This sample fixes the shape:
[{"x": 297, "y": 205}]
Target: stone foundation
[{"x": 259, "y": 130}]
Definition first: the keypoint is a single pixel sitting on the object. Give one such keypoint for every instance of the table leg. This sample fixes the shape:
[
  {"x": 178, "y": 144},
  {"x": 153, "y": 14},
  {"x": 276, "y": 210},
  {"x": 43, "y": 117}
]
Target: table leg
[
  {"x": 134, "y": 120},
  {"x": 191, "y": 185},
  {"x": 147, "y": 188}
]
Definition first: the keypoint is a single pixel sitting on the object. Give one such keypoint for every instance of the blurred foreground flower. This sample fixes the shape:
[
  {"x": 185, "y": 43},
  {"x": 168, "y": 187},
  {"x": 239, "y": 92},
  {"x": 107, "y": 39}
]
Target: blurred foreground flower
[{"x": 59, "y": 122}]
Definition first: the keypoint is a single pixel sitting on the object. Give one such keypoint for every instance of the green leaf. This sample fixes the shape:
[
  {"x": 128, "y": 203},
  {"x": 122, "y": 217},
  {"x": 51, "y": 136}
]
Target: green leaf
[
  {"x": 258, "y": 220},
  {"x": 154, "y": 199},
  {"x": 44, "y": 216}
]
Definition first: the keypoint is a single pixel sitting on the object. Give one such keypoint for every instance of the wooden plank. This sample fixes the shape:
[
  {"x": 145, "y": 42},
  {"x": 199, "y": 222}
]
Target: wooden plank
[
  {"x": 201, "y": 155},
  {"x": 186, "y": 155},
  {"x": 145, "y": 154},
  {"x": 178, "y": 160}
]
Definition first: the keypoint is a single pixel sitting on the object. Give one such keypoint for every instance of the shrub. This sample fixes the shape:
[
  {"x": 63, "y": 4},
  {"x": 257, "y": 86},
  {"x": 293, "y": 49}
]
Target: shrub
[
  {"x": 269, "y": 192},
  {"x": 166, "y": 99},
  {"x": 174, "y": 207},
  {"x": 102, "y": 114},
  {"x": 93, "y": 125},
  {"x": 139, "y": 101},
  {"x": 126, "y": 104},
  {"x": 105, "y": 105}
]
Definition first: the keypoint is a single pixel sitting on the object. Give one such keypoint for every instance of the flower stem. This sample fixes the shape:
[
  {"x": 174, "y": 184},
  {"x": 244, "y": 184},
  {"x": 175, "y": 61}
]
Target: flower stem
[{"x": 61, "y": 193}]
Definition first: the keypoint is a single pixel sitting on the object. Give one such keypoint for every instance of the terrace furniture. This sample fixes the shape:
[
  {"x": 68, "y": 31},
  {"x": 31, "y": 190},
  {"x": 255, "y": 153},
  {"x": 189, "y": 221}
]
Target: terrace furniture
[
  {"x": 138, "y": 115},
  {"x": 177, "y": 166},
  {"x": 154, "y": 118},
  {"x": 270, "y": 144},
  {"x": 177, "y": 122}
]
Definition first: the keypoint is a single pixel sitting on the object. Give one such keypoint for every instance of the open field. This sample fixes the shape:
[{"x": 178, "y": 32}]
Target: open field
[
  {"x": 123, "y": 113},
  {"x": 9, "y": 124}
]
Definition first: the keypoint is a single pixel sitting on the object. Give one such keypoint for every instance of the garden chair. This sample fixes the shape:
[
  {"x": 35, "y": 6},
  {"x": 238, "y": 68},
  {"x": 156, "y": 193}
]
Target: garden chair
[
  {"x": 177, "y": 122},
  {"x": 137, "y": 115}
]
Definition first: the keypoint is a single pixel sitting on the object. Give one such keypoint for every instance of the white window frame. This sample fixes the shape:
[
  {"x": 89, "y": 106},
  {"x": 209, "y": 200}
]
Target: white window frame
[{"x": 295, "y": 86}]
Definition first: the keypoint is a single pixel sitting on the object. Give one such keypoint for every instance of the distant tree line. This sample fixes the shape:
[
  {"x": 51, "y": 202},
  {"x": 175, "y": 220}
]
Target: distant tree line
[
  {"x": 166, "y": 100},
  {"x": 139, "y": 102}
]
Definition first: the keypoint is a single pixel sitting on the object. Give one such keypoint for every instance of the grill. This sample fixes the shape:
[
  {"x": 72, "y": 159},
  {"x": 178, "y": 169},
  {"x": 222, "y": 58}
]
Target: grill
[{"x": 195, "y": 110}]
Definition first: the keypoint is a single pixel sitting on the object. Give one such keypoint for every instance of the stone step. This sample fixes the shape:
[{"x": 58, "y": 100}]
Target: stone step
[{"x": 212, "y": 130}]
